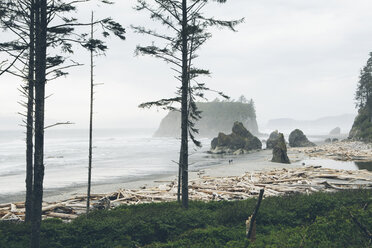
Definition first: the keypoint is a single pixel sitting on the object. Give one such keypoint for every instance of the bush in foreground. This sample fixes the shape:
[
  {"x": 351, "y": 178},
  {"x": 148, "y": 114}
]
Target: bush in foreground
[{"x": 317, "y": 220}]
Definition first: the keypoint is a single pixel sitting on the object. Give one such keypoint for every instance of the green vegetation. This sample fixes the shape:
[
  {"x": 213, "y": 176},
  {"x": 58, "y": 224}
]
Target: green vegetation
[
  {"x": 362, "y": 127},
  {"x": 317, "y": 220}
]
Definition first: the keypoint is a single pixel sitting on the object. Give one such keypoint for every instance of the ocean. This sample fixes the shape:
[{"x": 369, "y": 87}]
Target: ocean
[{"x": 117, "y": 154}]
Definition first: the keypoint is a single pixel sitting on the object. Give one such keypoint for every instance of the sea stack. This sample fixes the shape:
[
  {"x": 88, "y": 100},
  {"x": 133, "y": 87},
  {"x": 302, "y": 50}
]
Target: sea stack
[
  {"x": 240, "y": 141},
  {"x": 298, "y": 139},
  {"x": 272, "y": 140},
  {"x": 280, "y": 151}
]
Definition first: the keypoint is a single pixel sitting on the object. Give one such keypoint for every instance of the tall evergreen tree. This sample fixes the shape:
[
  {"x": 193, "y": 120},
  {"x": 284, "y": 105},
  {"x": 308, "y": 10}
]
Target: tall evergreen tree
[
  {"x": 51, "y": 29},
  {"x": 363, "y": 95},
  {"x": 187, "y": 30}
]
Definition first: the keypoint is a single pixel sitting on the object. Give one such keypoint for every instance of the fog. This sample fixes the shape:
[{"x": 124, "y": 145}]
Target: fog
[{"x": 297, "y": 59}]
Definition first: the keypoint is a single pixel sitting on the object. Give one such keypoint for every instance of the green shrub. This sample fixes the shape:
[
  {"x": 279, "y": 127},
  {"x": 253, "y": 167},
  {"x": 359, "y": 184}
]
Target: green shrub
[{"x": 317, "y": 220}]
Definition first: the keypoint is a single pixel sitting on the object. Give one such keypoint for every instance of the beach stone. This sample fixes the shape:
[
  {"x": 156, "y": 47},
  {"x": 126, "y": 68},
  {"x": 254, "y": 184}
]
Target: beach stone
[
  {"x": 102, "y": 204},
  {"x": 335, "y": 131},
  {"x": 334, "y": 140},
  {"x": 280, "y": 151},
  {"x": 273, "y": 140},
  {"x": 240, "y": 141},
  {"x": 298, "y": 139},
  {"x": 328, "y": 140}
]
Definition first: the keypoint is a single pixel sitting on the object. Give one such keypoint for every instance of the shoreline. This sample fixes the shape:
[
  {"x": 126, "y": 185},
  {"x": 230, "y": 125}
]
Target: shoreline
[
  {"x": 256, "y": 161},
  {"x": 252, "y": 162}
]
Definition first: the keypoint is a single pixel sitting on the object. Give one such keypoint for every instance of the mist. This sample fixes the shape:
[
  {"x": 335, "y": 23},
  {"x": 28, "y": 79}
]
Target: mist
[{"x": 296, "y": 59}]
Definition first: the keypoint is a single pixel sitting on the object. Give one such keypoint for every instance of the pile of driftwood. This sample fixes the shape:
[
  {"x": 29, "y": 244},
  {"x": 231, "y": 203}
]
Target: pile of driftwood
[
  {"x": 275, "y": 182},
  {"x": 344, "y": 151}
]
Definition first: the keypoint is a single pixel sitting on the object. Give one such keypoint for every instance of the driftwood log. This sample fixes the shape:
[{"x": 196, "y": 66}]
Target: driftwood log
[
  {"x": 343, "y": 151},
  {"x": 277, "y": 182}
]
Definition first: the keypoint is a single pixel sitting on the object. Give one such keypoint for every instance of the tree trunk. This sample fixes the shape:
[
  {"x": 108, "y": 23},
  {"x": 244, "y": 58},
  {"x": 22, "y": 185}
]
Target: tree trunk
[
  {"x": 40, "y": 62},
  {"x": 184, "y": 108},
  {"x": 30, "y": 118},
  {"x": 179, "y": 178},
  {"x": 90, "y": 121},
  {"x": 251, "y": 226}
]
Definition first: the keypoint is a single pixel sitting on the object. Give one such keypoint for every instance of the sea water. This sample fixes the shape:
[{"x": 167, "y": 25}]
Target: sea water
[
  {"x": 121, "y": 153},
  {"x": 118, "y": 155}
]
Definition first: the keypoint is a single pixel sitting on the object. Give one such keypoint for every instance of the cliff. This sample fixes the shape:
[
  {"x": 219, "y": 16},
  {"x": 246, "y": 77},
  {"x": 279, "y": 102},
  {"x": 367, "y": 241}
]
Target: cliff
[{"x": 216, "y": 117}]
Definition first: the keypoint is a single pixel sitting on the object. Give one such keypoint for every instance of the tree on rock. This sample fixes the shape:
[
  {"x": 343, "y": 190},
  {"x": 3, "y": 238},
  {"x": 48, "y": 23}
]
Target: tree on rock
[
  {"x": 363, "y": 95},
  {"x": 362, "y": 127}
]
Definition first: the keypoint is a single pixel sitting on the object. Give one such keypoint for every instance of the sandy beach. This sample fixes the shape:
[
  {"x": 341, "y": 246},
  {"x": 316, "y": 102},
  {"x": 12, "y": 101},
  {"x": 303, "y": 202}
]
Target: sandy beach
[{"x": 254, "y": 161}]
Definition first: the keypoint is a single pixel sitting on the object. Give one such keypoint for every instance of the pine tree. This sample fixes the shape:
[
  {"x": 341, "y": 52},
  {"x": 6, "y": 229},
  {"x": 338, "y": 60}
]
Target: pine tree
[
  {"x": 363, "y": 95},
  {"x": 187, "y": 30},
  {"x": 16, "y": 17}
]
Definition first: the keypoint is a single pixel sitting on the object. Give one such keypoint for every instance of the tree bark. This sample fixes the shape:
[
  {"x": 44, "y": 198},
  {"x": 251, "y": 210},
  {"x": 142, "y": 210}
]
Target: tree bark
[
  {"x": 40, "y": 62},
  {"x": 179, "y": 178},
  {"x": 254, "y": 215},
  {"x": 184, "y": 108},
  {"x": 30, "y": 117},
  {"x": 90, "y": 120}
]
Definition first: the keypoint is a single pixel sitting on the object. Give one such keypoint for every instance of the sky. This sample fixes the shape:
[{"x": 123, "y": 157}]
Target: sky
[{"x": 297, "y": 59}]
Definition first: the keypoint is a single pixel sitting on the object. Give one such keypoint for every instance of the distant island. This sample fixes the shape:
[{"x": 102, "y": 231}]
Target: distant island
[
  {"x": 217, "y": 116},
  {"x": 318, "y": 126}
]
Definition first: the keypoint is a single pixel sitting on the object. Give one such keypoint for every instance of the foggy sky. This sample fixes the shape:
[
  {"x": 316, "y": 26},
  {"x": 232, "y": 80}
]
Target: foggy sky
[{"x": 296, "y": 58}]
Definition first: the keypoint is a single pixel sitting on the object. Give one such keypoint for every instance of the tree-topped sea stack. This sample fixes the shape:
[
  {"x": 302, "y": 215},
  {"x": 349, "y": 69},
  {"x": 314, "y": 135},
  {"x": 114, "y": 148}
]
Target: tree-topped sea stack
[
  {"x": 280, "y": 150},
  {"x": 298, "y": 139},
  {"x": 240, "y": 141},
  {"x": 217, "y": 116},
  {"x": 335, "y": 131}
]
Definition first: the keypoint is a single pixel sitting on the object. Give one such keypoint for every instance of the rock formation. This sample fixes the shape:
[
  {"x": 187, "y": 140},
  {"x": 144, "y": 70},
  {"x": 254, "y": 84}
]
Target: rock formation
[
  {"x": 298, "y": 139},
  {"x": 216, "y": 117},
  {"x": 273, "y": 139},
  {"x": 328, "y": 140},
  {"x": 240, "y": 141},
  {"x": 335, "y": 131},
  {"x": 280, "y": 151}
]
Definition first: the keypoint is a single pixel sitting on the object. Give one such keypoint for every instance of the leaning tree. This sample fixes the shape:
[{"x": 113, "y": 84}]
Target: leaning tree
[{"x": 186, "y": 30}]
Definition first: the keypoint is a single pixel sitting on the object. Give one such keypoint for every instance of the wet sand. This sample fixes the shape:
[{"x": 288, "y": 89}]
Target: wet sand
[{"x": 244, "y": 163}]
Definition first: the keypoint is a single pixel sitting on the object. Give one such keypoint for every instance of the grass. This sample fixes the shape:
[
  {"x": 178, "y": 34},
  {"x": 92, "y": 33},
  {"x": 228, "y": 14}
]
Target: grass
[{"x": 317, "y": 220}]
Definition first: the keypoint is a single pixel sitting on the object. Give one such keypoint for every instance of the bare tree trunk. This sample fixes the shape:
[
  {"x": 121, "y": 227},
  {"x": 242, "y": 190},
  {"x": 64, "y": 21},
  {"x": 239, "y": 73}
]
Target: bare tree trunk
[
  {"x": 254, "y": 215},
  {"x": 30, "y": 118},
  {"x": 179, "y": 178},
  {"x": 184, "y": 109},
  {"x": 40, "y": 62},
  {"x": 90, "y": 119}
]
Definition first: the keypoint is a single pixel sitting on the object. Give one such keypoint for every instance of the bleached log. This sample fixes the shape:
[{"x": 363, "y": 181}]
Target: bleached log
[
  {"x": 62, "y": 216},
  {"x": 6, "y": 216},
  {"x": 13, "y": 208},
  {"x": 5, "y": 205},
  {"x": 52, "y": 207}
]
